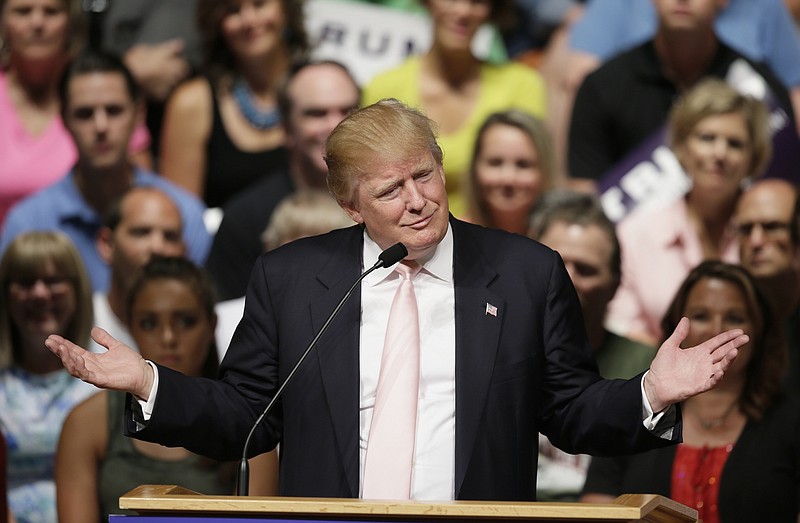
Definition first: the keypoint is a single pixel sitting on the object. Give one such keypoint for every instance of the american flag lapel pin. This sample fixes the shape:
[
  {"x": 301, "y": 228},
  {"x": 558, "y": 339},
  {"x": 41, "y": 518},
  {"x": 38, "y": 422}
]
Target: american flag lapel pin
[{"x": 490, "y": 309}]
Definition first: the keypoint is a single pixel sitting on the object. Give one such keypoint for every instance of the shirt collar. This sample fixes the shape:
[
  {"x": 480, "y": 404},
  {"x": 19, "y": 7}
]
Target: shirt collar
[
  {"x": 72, "y": 204},
  {"x": 438, "y": 264}
]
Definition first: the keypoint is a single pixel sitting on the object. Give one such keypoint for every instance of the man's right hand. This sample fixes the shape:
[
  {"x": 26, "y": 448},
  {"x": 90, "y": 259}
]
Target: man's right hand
[{"x": 119, "y": 368}]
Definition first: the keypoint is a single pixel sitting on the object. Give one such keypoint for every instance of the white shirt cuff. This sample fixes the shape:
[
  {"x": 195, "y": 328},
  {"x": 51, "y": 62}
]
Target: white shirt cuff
[
  {"x": 147, "y": 406},
  {"x": 651, "y": 420}
]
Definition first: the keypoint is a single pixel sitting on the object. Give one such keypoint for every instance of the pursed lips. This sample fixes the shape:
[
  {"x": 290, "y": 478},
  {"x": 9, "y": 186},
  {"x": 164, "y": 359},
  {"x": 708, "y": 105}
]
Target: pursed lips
[{"x": 422, "y": 223}]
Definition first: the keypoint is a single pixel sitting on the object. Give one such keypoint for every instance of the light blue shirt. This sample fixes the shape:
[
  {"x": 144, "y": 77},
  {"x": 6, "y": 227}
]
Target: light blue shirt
[
  {"x": 762, "y": 30},
  {"x": 61, "y": 207}
]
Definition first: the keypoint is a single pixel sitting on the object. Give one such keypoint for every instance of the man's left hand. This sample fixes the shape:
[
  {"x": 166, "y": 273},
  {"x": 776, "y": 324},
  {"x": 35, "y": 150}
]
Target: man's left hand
[{"x": 677, "y": 374}]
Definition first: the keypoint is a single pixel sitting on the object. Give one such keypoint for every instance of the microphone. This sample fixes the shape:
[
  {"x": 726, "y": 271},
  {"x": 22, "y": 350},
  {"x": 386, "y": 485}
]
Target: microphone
[{"x": 387, "y": 258}]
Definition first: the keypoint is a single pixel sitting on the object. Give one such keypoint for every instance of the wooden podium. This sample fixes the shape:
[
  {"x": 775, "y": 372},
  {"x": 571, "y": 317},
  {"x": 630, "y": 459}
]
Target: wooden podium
[{"x": 169, "y": 503}]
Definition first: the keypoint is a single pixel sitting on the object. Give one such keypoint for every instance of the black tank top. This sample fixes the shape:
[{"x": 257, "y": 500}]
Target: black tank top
[{"x": 229, "y": 170}]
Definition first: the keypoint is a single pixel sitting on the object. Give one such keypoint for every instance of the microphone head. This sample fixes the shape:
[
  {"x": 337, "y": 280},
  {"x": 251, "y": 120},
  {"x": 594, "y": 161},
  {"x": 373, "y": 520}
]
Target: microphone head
[{"x": 393, "y": 254}]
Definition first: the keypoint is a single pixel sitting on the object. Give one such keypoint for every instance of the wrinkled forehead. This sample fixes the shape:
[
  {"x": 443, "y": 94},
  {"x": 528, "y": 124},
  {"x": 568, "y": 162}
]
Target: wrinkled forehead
[
  {"x": 393, "y": 165},
  {"x": 403, "y": 158}
]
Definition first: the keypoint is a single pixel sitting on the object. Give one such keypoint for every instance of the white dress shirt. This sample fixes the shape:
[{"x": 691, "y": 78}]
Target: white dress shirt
[{"x": 433, "y": 474}]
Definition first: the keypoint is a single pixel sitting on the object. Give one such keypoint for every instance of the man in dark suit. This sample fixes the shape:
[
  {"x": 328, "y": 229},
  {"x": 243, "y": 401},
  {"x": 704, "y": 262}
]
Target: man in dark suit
[{"x": 503, "y": 349}]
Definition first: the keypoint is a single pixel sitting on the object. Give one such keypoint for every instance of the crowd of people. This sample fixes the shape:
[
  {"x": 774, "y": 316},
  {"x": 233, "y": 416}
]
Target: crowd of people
[{"x": 151, "y": 152}]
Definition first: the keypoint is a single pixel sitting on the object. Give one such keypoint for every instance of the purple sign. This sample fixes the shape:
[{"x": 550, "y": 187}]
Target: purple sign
[{"x": 650, "y": 174}]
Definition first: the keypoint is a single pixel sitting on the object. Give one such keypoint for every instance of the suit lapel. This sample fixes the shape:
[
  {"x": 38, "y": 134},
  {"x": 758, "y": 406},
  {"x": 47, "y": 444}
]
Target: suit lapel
[
  {"x": 477, "y": 337},
  {"x": 337, "y": 350},
  {"x": 478, "y": 329}
]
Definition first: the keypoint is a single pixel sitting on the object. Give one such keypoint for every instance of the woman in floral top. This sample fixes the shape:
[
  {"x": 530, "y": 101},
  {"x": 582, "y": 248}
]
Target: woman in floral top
[{"x": 45, "y": 290}]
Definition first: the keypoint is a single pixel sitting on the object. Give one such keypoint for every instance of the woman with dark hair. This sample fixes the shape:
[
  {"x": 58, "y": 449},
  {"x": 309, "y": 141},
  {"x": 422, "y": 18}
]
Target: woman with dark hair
[
  {"x": 740, "y": 456},
  {"x": 222, "y": 130},
  {"x": 455, "y": 88},
  {"x": 171, "y": 317},
  {"x": 512, "y": 165},
  {"x": 44, "y": 289}
]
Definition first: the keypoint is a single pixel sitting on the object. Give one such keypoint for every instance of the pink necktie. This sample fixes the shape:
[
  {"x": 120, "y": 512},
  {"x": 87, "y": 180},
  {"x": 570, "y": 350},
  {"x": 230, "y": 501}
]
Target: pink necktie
[{"x": 390, "y": 447}]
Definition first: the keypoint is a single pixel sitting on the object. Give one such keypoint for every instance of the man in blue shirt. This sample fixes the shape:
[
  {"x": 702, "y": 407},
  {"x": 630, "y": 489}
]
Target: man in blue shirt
[{"x": 100, "y": 105}]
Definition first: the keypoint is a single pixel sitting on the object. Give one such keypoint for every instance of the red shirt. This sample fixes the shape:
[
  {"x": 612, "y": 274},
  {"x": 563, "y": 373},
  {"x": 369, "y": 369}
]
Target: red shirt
[{"x": 695, "y": 479}]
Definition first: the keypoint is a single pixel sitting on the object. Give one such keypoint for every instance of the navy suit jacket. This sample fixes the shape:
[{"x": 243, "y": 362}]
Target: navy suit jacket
[{"x": 527, "y": 369}]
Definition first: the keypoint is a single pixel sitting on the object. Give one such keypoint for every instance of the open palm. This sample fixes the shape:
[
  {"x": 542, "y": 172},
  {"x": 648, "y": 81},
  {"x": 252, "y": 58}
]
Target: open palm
[
  {"x": 119, "y": 368},
  {"x": 677, "y": 373}
]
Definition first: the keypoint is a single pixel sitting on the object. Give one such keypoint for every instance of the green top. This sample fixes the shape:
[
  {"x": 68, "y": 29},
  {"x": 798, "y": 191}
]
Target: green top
[
  {"x": 623, "y": 358},
  {"x": 125, "y": 468}
]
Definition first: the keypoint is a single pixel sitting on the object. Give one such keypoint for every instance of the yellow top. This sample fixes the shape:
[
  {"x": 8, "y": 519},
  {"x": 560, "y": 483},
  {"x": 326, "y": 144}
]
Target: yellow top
[{"x": 507, "y": 86}]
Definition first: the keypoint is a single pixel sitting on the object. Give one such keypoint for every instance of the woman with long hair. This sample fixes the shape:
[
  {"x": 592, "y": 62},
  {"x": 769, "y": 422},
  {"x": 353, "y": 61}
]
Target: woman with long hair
[
  {"x": 512, "y": 166},
  {"x": 222, "y": 130},
  {"x": 171, "y": 317},
  {"x": 44, "y": 289},
  {"x": 738, "y": 461}
]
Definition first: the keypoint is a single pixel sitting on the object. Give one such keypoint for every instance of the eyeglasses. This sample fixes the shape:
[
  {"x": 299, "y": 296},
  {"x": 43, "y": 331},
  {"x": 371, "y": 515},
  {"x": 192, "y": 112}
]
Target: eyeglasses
[
  {"x": 770, "y": 229},
  {"x": 54, "y": 284}
]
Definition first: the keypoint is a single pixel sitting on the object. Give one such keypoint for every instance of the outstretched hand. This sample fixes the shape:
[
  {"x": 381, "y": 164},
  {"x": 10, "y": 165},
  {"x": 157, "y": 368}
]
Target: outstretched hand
[
  {"x": 677, "y": 374},
  {"x": 119, "y": 368}
]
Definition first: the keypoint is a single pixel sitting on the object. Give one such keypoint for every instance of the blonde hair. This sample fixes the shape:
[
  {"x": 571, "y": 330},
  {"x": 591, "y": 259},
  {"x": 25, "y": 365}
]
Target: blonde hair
[
  {"x": 384, "y": 132},
  {"x": 304, "y": 213},
  {"x": 536, "y": 131},
  {"x": 27, "y": 256},
  {"x": 713, "y": 97}
]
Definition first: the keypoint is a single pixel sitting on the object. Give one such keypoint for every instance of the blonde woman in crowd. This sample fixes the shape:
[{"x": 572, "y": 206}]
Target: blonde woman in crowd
[
  {"x": 44, "y": 289},
  {"x": 722, "y": 140},
  {"x": 512, "y": 166}
]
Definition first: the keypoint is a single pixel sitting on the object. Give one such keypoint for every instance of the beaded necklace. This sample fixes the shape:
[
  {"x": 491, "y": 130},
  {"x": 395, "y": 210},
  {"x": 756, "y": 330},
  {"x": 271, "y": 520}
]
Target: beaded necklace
[{"x": 259, "y": 119}]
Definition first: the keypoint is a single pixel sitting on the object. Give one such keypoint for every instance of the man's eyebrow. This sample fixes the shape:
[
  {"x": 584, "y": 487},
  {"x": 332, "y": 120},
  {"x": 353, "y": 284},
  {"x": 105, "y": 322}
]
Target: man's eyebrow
[{"x": 390, "y": 184}]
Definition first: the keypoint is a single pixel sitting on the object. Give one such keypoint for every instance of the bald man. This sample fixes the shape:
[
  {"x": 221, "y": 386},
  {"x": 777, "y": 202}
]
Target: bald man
[
  {"x": 769, "y": 246},
  {"x": 144, "y": 222}
]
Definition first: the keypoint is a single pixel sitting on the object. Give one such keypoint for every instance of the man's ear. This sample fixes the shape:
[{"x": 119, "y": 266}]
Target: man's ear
[
  {"x": 352, "y": 212},
  {"x": 104, "y": 243}
]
